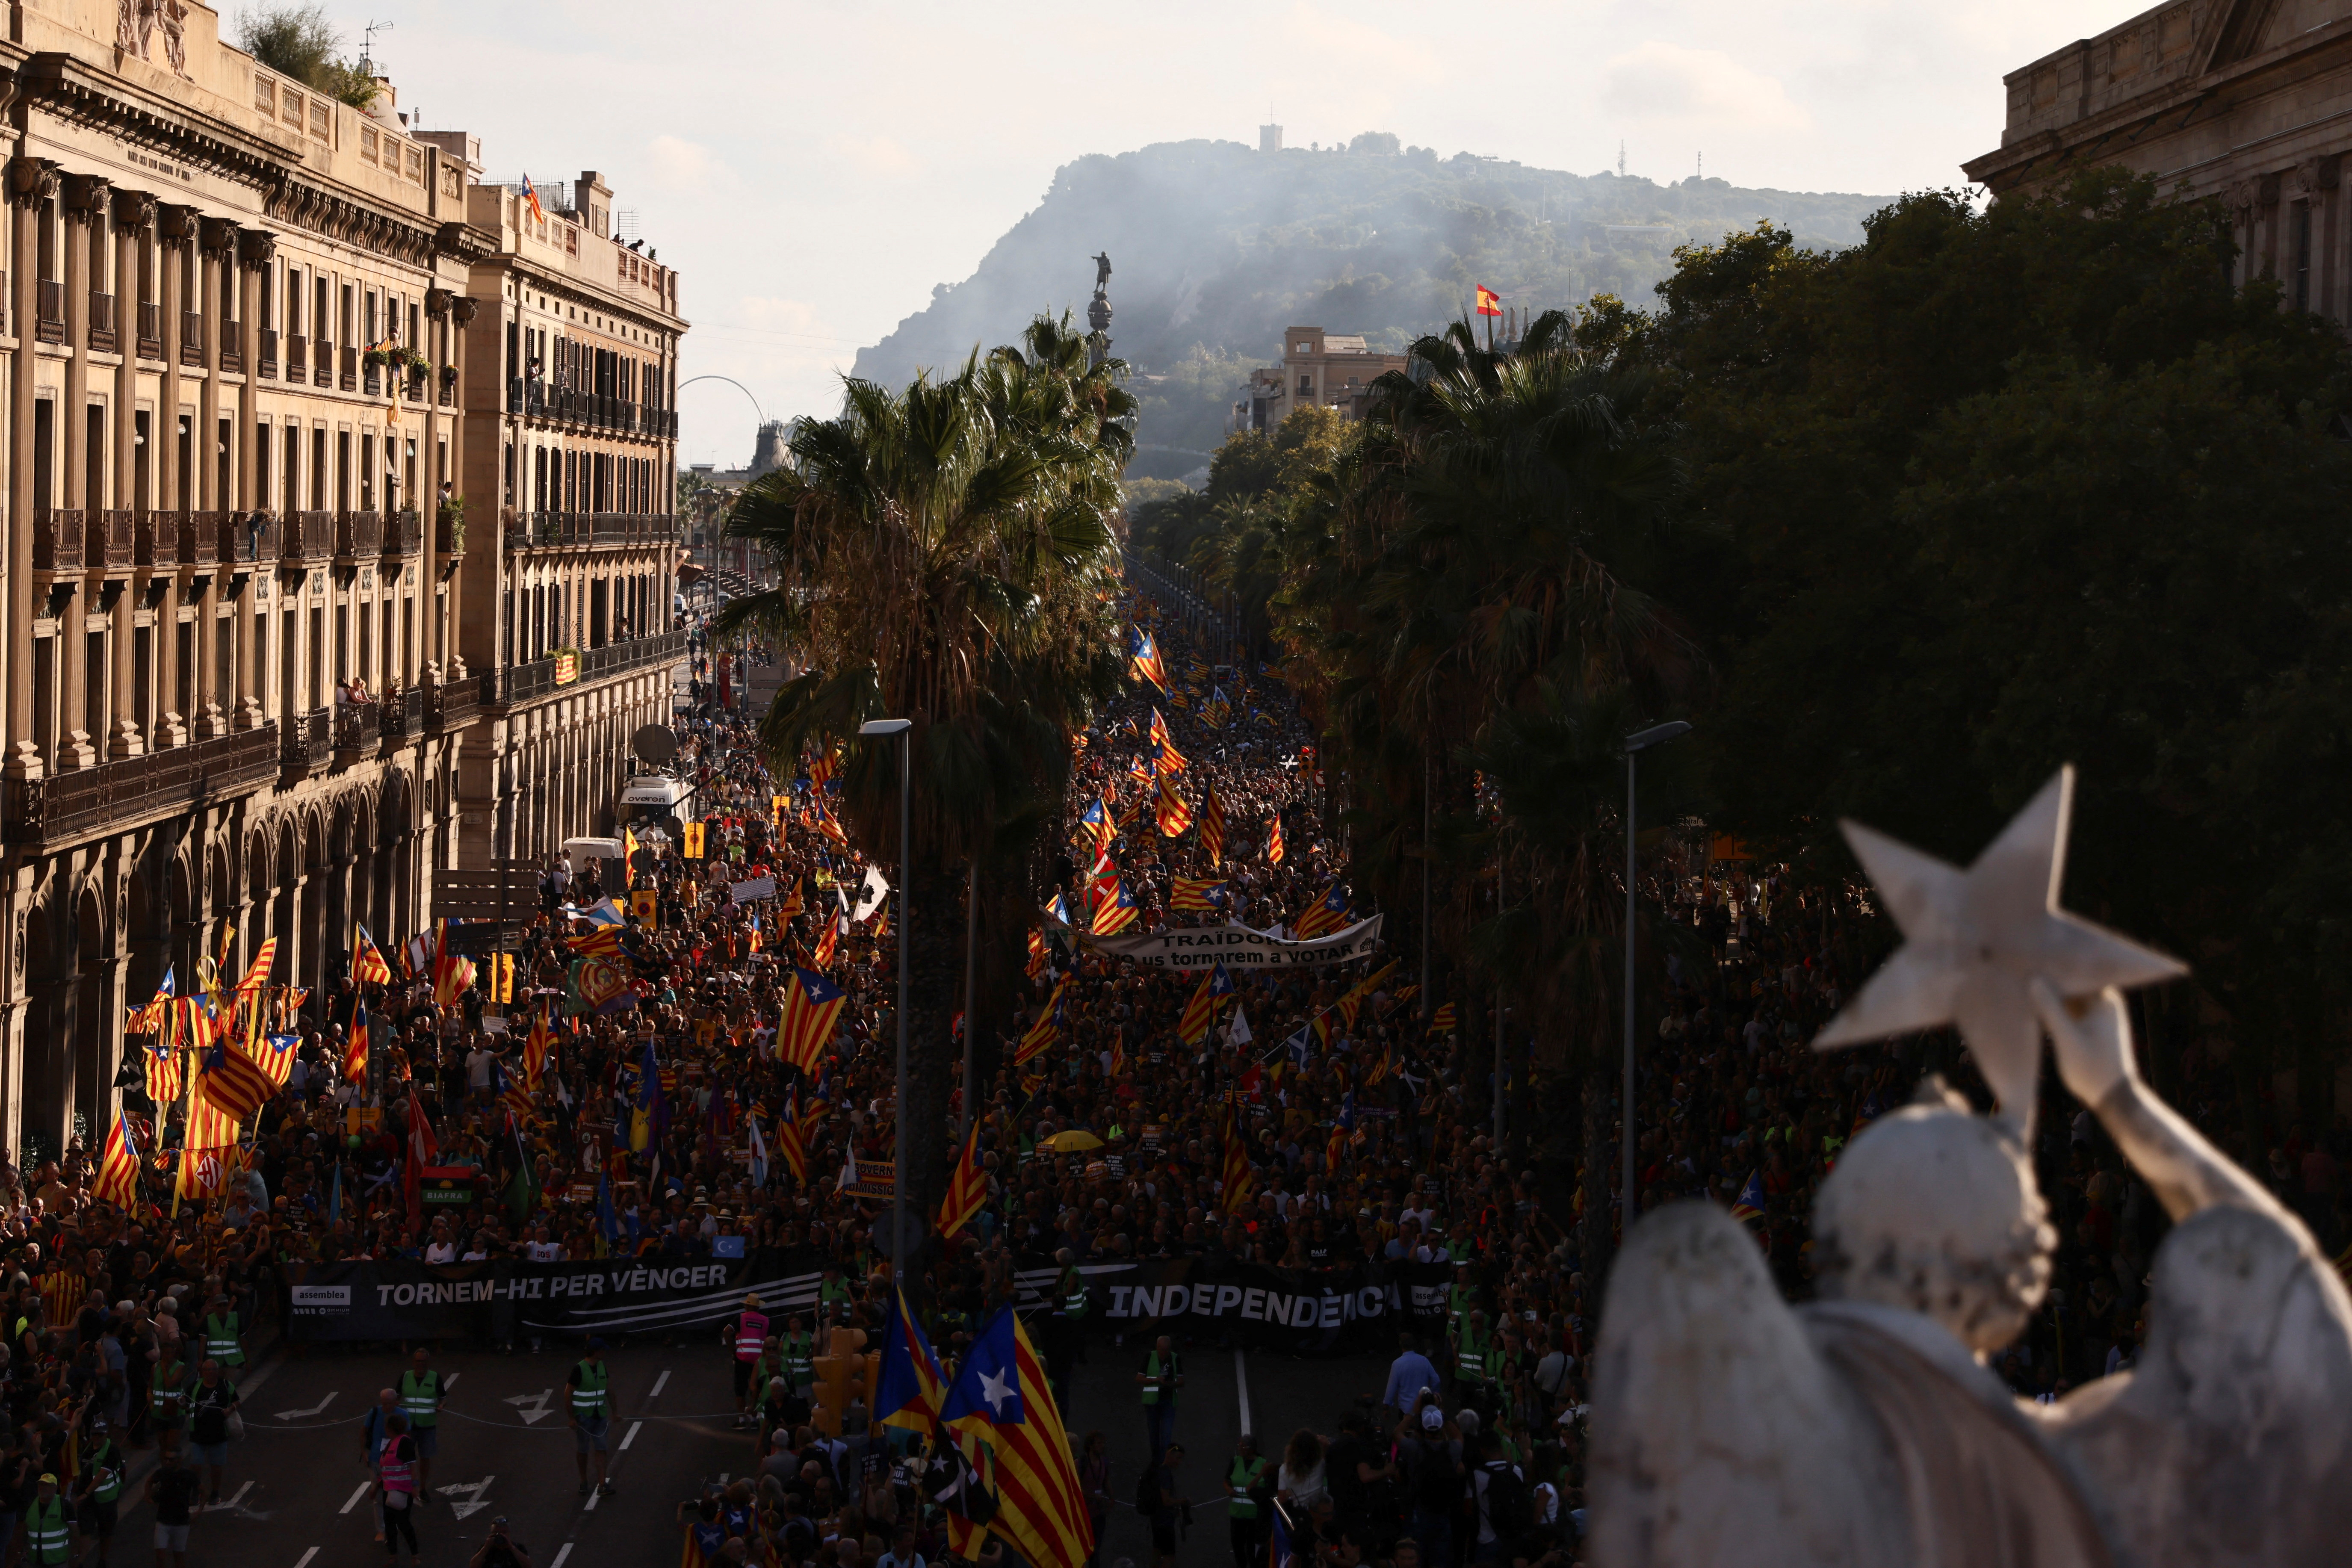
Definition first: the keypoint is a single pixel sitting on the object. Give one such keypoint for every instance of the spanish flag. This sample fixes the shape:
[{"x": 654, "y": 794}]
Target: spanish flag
[{"x": 1489, "y": 302}]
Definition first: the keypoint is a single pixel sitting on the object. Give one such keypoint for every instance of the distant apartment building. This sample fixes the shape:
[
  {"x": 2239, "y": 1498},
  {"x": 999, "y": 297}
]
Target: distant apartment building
[
  {"x": 1318, "y": 369},
  {"x": 2248, "y": 102},
  {"x": 251, "y": 337}
]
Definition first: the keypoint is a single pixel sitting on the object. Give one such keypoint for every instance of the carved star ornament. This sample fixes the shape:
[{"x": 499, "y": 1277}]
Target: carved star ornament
[{"x": 1973, "y": 940}]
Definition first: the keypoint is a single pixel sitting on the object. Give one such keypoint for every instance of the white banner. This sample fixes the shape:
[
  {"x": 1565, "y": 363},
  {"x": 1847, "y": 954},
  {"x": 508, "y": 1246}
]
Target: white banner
[
  {"x": 757, "y": 888},
  {"x": 1238, "y": 947}
]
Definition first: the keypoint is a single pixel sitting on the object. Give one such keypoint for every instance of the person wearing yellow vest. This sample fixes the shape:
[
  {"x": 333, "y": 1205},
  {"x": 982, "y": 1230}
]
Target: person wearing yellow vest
[
  {"x": 421, "y": 1393},
  {"x": 1245, "y": 1503},
  {"x": 747, "y": 1334},
  {"x": 46, "y": 1545},
  {"x": 98, "y": 1487},
  {"x": 224, "y": 1335},
  {"x": 588, "y": 1387}
]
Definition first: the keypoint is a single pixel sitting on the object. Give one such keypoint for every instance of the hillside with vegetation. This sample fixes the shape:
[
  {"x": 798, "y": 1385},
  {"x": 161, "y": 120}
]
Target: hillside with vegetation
[{"x": 1217, "y": 247}]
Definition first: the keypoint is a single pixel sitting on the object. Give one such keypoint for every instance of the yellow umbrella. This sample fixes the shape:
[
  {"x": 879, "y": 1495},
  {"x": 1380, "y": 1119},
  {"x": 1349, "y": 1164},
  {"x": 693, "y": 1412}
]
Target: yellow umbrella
[{"x": 1076, "y": 1141}]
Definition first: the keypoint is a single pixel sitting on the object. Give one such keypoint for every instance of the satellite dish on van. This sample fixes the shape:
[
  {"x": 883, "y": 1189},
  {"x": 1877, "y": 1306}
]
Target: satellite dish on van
[{"x": 654, "y": 743}]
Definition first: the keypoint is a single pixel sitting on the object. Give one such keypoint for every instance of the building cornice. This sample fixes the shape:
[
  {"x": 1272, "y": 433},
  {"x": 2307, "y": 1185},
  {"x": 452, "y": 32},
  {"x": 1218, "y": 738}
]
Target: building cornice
[
  {"x": 2161, "y": 111},
  {"x": 576, "y": 290},
  {"x": 74, "y": 90}
]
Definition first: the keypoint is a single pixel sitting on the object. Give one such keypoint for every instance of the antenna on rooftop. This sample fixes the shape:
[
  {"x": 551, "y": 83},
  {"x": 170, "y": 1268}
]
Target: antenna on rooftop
[
  {"x": 1702, "y": 165},
  {"x": 367, "y": 46}
]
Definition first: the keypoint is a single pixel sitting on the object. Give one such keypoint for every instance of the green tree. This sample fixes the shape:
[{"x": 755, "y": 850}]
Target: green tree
[
  {"x": 2028, "y": 484},
  {"x": 297, "y": 41},
  {"x": 945, "y": 554}
]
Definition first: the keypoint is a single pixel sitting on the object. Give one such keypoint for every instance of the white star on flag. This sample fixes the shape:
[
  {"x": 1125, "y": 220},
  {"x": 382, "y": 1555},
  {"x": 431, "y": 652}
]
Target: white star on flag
[{"x": 996, "y": 1388}]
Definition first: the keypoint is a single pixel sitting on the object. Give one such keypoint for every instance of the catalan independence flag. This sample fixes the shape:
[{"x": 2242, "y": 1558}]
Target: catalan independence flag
[
  {"x": 967, "y": 1191},
  {"x": 1043, "y": 1032},
  {"x": 1169, "y": 810},
  {"x": 1274, "y": 843},
  {"x": 368, "y": 967},
  {"x": 1443, "y": 1021},
  {"x": 1328, "y": 914},
  {"x": 909, "y": 1389},
  {"x": 1001, "y": 1399},
  {"x": 1114, "y": 912},
  {"x": 1213, "y": 825},
  {"x": 1200, "y": 1012},
  {"x": 1143, "y": 659},
  {"x": 1193, "y": 895},
  {"x": 1749, "y": 1203},
  {"x": 356, "y": 1059},
  {"x": 117, "y": 1168},
  {"x": 806, "y": 1026},
  {"x": 1172, "y": 760}
]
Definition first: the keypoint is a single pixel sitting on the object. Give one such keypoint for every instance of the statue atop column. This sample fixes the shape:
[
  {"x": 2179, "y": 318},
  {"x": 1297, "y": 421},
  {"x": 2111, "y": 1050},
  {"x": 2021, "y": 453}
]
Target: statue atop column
[
  {"x": 1098, "y": 307},
  {"x": 1865, "y": 1428}
]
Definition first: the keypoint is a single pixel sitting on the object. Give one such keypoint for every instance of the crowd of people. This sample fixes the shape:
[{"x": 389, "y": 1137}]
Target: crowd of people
[{"x": 1368, "y": 1143}]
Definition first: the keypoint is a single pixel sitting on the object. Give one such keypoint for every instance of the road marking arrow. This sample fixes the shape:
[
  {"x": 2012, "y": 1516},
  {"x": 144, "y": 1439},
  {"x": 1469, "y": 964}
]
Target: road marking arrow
[
  {"x": 472, "y": 1492},
  {"x": 533, "y": 1406},
  {"x": 315, "y": 1409}
]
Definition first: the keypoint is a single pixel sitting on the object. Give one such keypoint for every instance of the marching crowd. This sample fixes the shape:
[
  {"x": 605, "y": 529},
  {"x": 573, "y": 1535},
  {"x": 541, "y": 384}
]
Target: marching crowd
[{"x": 1315, "y": 1117}]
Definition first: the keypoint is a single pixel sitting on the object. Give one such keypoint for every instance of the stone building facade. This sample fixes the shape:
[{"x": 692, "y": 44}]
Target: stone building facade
[
  {"x": 239, "y": 324},
  {"x": 1318, "y": 368},
  {"x": 2246, "y": 101},
  {"x": 573, "y": 426}
]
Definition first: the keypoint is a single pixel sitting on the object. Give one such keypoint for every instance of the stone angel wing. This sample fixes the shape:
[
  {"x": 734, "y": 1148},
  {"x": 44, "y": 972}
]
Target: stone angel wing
[{"x": 1719, "y": 1433}]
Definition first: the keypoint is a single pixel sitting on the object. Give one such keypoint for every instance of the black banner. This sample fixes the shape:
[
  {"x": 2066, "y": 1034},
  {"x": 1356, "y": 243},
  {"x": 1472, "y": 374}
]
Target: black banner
[
  {"x": 1360, "y": 1308},
  {"x": 404, "y": 1300}
]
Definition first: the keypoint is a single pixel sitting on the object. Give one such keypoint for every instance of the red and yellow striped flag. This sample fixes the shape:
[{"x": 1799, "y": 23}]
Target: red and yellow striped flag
[
  {"x": 1169, "y": 810},
  {"x": 967, "y": 1191},
  {"x": 1213, "y": 825}
]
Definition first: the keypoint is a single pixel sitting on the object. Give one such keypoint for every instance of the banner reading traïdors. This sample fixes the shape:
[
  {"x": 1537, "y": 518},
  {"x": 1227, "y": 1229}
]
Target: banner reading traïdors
[{"x": 1238, "y": 947}]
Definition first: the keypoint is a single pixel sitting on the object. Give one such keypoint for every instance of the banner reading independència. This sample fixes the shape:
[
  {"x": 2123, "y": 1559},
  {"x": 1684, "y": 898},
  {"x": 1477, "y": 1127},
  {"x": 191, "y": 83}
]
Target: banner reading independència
[
  {"x": 1238, "y": 947},
  {"x": 1355, "y": 1308}
]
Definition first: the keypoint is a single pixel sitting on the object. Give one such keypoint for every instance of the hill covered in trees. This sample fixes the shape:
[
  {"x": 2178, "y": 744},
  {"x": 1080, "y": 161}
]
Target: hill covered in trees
[{"x": 1217, "y": 247}]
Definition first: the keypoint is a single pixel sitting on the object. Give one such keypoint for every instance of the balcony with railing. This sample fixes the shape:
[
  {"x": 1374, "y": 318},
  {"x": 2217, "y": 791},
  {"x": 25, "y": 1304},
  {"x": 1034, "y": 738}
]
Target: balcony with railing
[
  {"x": 151, "y": 330},
  {"x": 232, "y": 350},
  {"x": 309, "y": 536},
  {"x": 309, "y": 742},
  {"x": 323, "y": 363},
  {"x": 557, "y": 530},
  {"x": 130, "y": 791},
  {"x": 196, "y": 542},
  {"x": 402, "y": 717},
  {"x": 269, "y": 354},
  {"x": 102, "y": 322},
  {"x": 250, "y": 538},
  {"x": 153, "y": 541},
  {"x": 50, "y": 313},
  {"x": 350, "y": 368},
  {"x": 404, "y": 533},
  {"x": 191, "y": 338},
  {"x": 522, "y": 683},
  {"x": 58, "y": 540},
  {"x": 298, "y": 358},
  {"x": 119, "y": 536},
  {"x": 372, "y": 380},
  {"x": 450, "y": 706},
  {"x": 357, "y": 725},
  {"x": 357, "y": 533}
]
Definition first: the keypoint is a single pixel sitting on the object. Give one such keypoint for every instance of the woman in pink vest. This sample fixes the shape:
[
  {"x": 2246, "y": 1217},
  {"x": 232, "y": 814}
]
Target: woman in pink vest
[
  {"x": 749, "y": 1328},
  {"x": 396, "y": 1488}
]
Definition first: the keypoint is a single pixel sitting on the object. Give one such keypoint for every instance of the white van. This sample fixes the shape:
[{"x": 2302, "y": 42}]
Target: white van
[
  {"x": 652, "y": 800},
  {"x": 583, "y": 851}
]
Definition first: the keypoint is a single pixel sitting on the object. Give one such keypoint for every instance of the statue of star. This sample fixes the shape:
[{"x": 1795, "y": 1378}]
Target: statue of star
[{"x": 1974, "y": 939}]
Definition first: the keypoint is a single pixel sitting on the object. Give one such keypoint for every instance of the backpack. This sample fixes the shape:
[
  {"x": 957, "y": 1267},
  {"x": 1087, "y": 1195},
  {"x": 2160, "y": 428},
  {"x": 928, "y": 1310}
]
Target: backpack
[
  {"x": 1147, "y": 1491},
  {"x": 1436, "y": 1482},
  {"x": 1508, "y": 1510}
]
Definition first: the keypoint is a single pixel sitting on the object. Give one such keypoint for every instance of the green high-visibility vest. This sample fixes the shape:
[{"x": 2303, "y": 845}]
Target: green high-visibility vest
[
  {"x": 1238, "y": 1482},
  {"x": 221, "y": 1342},
  {"x": 1471, "y": 1361},
  {"x": 1458, "y": 1303},
  {"x": 1151, "y": 1369},
  {"x": 799, "y": 1356},
  {"x": 165, "y": 1400},
  {"x": 1074, "y": 1294},
  {"x": 44, "y": 1532},
  {"x": 421, "y": 1398},
  {"x": 588, "y": 1384},
  {"x": 110, "y": 1462}
]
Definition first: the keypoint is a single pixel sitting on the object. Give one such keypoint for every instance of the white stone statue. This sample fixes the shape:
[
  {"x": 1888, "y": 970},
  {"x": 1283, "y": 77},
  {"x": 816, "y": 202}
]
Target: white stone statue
[{"x": 1865, "y": 1428}]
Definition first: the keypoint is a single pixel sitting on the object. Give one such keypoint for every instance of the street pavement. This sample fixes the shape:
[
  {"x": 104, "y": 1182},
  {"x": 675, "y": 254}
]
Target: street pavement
[{"x": 295, "y": 1492}]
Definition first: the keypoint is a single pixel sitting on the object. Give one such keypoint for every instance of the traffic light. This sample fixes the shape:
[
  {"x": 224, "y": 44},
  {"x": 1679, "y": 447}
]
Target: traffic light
[{"x": 843, "y": 1375}]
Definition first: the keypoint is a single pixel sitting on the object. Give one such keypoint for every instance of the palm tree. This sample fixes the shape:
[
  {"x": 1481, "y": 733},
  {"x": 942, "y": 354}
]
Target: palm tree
[{"x": 945, "y": 554}]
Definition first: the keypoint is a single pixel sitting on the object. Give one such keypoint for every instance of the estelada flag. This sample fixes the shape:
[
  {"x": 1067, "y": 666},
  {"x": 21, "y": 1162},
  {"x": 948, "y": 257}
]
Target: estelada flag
[
  {"x": 1328, "y": 914},
  {"x": 1098, "y": 823},
  {"x": 1749, "y": 1203},
  {"x": 355, "y": 1059},
  {"x": 1001, "y": 1398},
  {"x": 967, "y": 1191},
  {"x": 256, "y": 974},
  {"x": 1039, "y": 959},
  {"x": 118, "y": 1167},
  {"x": 368, "y": 967},
  {"x": 1200, "y": 1012},
  {"x": 530, "y": 200},
  {"x": 1489, "y": 302},
  {"x": 1116, "y": 913},
  {"x": 827, "y": 941},
  {"x": 1043, "y": 1032},
  {"x": 1274, "y": 843},
  {"x": 1212, "y": 825},
  {"x": 1143, "y": 659},
  {"x": 233, "y": 1083},
  {"x": 1169, "y": 810},
  {"x": 1193, "y": 895},
  {"x": 806, "y": 1026},
  {"x": 1240, "y": 1183},
  {"x": 794, "y": 903},
  {"x": 1172, "y": 760},
  {"x": 908, "y": 1387}
]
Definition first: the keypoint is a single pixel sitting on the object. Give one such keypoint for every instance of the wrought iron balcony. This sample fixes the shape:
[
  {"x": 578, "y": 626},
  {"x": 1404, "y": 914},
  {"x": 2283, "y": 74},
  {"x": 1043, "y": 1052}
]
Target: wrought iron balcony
[
  {"x": 309, "y": 742},
  {"x": 122, "y": 794},
  {"x": 102, "y": 322},
  {"x": 58, "y": 540}
]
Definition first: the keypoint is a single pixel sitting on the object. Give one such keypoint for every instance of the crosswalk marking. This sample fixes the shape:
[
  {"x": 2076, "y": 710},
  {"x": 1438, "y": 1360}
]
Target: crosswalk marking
[
  {"x": 305, "y": 1562},
  {"x": 659, "y": 1383},
  {"x": 630, "y": 1435},
  {"x": 347, "y": 1508}
]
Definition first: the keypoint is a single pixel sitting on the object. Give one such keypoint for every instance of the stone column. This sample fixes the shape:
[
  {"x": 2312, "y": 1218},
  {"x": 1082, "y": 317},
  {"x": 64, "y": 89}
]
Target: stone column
[
  {"x": 85, "y": 207},
  {"x": 33, "y": 183}
]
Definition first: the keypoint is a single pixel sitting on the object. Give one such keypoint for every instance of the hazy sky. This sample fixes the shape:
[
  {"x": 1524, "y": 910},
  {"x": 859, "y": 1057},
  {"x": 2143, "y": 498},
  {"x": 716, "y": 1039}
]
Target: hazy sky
[{"x": 815, "y": 168}]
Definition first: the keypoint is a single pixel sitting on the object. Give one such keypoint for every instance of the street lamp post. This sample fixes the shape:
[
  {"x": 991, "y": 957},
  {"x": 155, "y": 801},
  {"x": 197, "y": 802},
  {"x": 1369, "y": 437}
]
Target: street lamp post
[
  {"x": 900, "y": 728},
  {"x": 1636, "y": 743}
]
